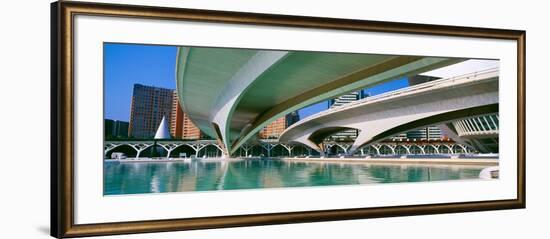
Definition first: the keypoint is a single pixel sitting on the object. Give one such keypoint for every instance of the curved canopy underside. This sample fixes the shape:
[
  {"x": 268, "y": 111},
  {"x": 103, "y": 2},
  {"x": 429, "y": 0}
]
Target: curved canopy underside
[
  {"x": 318, "y": 136},
  {"x": 231, "y": 94}
]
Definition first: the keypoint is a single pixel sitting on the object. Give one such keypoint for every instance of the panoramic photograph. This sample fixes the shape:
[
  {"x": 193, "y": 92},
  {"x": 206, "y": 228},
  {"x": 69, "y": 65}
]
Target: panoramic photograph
[{"x": 188, "y": 118}]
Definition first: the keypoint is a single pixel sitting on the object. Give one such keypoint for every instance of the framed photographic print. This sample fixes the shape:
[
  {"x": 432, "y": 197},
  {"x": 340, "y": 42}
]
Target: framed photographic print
[{"x": 170, "y": 119}]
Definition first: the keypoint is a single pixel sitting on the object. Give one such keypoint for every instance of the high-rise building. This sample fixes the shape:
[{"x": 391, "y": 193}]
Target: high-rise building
[
  {"x": 181, "y": 126},
  {"x": 292, "y": 118},
  {"x": 347, "y": 98},
  {"x": 176, "y": 123},
  {"x": 428, "y": 133},
  {"x": 276, "y": 128},
  {"x": 115, "y": 129},
  {"x": 351, "y": 134},
  {"x": 190, "y": 131},
  {"x": 149, "y": 105}
]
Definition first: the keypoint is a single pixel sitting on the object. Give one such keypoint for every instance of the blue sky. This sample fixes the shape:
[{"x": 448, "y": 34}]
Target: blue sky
[
  {"x": 388, "y": 86},
  {"x": 129, "y": 64},
  {"x": 372, "y": 91}
]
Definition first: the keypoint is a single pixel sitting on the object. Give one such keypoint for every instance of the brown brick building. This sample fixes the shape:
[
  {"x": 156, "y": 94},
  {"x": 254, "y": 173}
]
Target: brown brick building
[
  {"x": 181, "y": 126},
  {"x": 276, "y": 128}
]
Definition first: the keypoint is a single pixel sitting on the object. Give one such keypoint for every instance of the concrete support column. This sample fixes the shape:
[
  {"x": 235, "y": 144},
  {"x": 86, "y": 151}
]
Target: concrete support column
[
  {"x": 139, "y": 148},
  {"x": 230, "y": 96},
  {"x": 305, "y": 141},
  {"x": 363, "y": 137}
]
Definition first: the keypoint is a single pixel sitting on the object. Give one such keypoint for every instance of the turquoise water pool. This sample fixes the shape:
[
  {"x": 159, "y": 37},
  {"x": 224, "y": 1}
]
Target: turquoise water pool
[{"x": 141, "y": 177}]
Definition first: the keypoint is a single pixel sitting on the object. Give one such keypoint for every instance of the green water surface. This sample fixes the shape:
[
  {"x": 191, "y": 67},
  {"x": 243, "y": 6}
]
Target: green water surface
[{"x": 141, "y": 177}]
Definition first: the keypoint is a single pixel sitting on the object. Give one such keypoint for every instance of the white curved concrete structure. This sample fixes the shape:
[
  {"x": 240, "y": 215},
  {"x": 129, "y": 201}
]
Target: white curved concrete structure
[
  {"x": 268, "y": 147},
  {"x": 231, "y": 94},
  {"x": 388, "y": 114}
]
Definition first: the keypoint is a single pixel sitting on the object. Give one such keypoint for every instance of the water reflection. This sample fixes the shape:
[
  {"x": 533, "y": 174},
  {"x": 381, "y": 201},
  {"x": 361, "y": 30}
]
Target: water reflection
[{"x": 129, "y": 178}]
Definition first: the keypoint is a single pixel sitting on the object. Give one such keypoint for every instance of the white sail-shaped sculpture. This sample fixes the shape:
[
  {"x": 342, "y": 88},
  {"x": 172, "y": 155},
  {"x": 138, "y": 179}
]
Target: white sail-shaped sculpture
[{"x": 163, "y": 132}]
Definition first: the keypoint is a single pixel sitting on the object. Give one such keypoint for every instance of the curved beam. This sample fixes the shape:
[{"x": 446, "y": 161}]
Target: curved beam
[
  {"x": 234, "y": 89},
  {"x": 432, "y": 103},
  {"x": 388, "y": 70},
  {"x": 232, "y": 93},
  {"x": 207, "y": 72},
  {"x": 307, "y": 142},
  {"x": 374, "y": 136}
]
